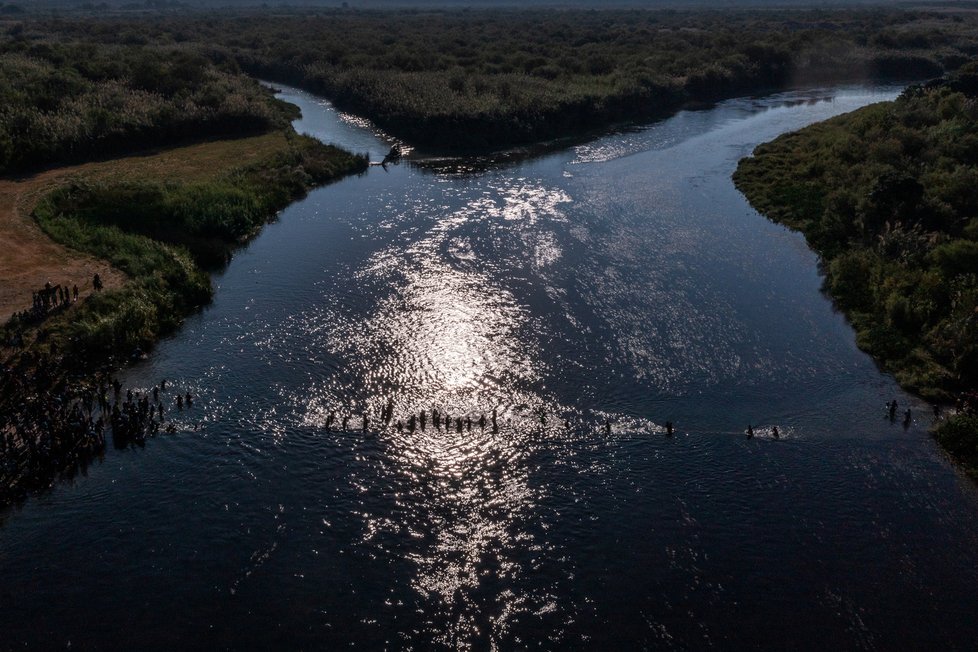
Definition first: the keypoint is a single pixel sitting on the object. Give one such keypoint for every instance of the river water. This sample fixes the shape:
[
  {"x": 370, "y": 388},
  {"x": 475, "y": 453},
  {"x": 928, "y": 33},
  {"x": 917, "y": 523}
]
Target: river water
[{"x": 624, "y": 279}]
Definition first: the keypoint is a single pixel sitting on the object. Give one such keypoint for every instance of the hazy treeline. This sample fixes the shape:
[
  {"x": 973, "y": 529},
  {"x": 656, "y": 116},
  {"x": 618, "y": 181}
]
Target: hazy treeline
[
  {"x": 472, "y": 79},
  {"x": 888, "y": 195},
  {"x": 75, "y": 101}
]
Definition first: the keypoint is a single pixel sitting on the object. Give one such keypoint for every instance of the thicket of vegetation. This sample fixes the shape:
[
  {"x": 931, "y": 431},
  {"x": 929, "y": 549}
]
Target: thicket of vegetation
[
  {"x": 144, "y": 229},
  {"x": 476, "y": 79},
  {"x": 70, "y": 102},
  {"x": 888, "y": 195}
]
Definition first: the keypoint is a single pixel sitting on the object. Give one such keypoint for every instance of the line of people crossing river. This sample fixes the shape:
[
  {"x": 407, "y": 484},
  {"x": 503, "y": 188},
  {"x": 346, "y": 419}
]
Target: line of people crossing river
[{"x": 43, "y": 433}]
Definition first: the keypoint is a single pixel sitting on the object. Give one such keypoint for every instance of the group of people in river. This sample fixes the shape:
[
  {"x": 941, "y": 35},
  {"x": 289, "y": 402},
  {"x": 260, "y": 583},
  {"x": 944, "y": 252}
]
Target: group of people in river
[
  {"x": 418, "y": 421},
  {"x": 46, "y": 431},
  {"x": 773, "y": 430},
  {"x": 893, "y": 406},
  {"x": 43, "y": 433}
]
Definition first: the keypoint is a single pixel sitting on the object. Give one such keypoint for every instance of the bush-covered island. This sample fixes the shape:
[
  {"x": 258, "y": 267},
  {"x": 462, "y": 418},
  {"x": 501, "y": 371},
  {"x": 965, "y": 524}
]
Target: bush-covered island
[{"x": 888, "y": 196}]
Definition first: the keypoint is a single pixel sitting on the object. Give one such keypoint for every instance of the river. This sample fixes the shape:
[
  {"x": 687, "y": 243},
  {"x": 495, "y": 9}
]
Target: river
[{"x": 623, "y": 280}]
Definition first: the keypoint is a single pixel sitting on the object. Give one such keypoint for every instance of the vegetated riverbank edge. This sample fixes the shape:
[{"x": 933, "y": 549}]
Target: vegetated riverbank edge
[
  {"x": 487, "y": 139},
  {"x": 886, "y": 196},
  {"x": 161, "y": 220}
]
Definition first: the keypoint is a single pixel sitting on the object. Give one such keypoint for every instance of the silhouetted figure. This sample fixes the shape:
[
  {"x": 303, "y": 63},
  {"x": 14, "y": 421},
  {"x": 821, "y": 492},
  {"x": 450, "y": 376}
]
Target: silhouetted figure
[
  {"x": 668, "y": 428},
  {"x": 893, "y": 409},
  {"x": 400, "y": 426},
  {"x": 329, "y": 421},
  {"x": 436, "y": 418},
  {"x": 393, "y": 156},
  {"x": 365, "y": 422},
  {"x": 412, "y": 423},
  {"x": 423, "y": 420},
  {"x": 750, "y": 431},
  {"x": 482, "y": 421},
  {"x": 180, "y": 404},
  {"x": 75, "y": 291},
  {"x": 468, "y": 423},
  {"x": 189, "y": 399},
  {"x": 567, "y": 424},
  {"x": 607, "y": 426},
  {"x": 907, "y": 418},
  {"x": 346, "y": 420},
  {"x": 97, "y": 283},
  {"x": 776, "y": 432},
  {"x": 458, "y": 424}
]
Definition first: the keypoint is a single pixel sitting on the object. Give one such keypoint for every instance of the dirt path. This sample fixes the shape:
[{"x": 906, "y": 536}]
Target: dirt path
[{"x": 29, "y": 258}]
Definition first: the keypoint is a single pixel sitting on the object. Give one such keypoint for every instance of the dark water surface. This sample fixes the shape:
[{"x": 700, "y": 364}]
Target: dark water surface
[{"x": 625, "y": 279}]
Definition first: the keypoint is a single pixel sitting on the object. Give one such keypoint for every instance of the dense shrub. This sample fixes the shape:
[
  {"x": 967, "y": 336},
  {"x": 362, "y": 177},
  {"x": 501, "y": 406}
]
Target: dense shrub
[
  {"x": 897, "y": 231},
  {"x": 62, "y": 103},
  {"x": 959, "y": 436}
]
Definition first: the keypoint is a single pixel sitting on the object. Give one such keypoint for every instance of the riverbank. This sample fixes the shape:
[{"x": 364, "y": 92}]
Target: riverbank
[
  {"x": 885, "y": 195},
  {"x": 149, "y": 226}
]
